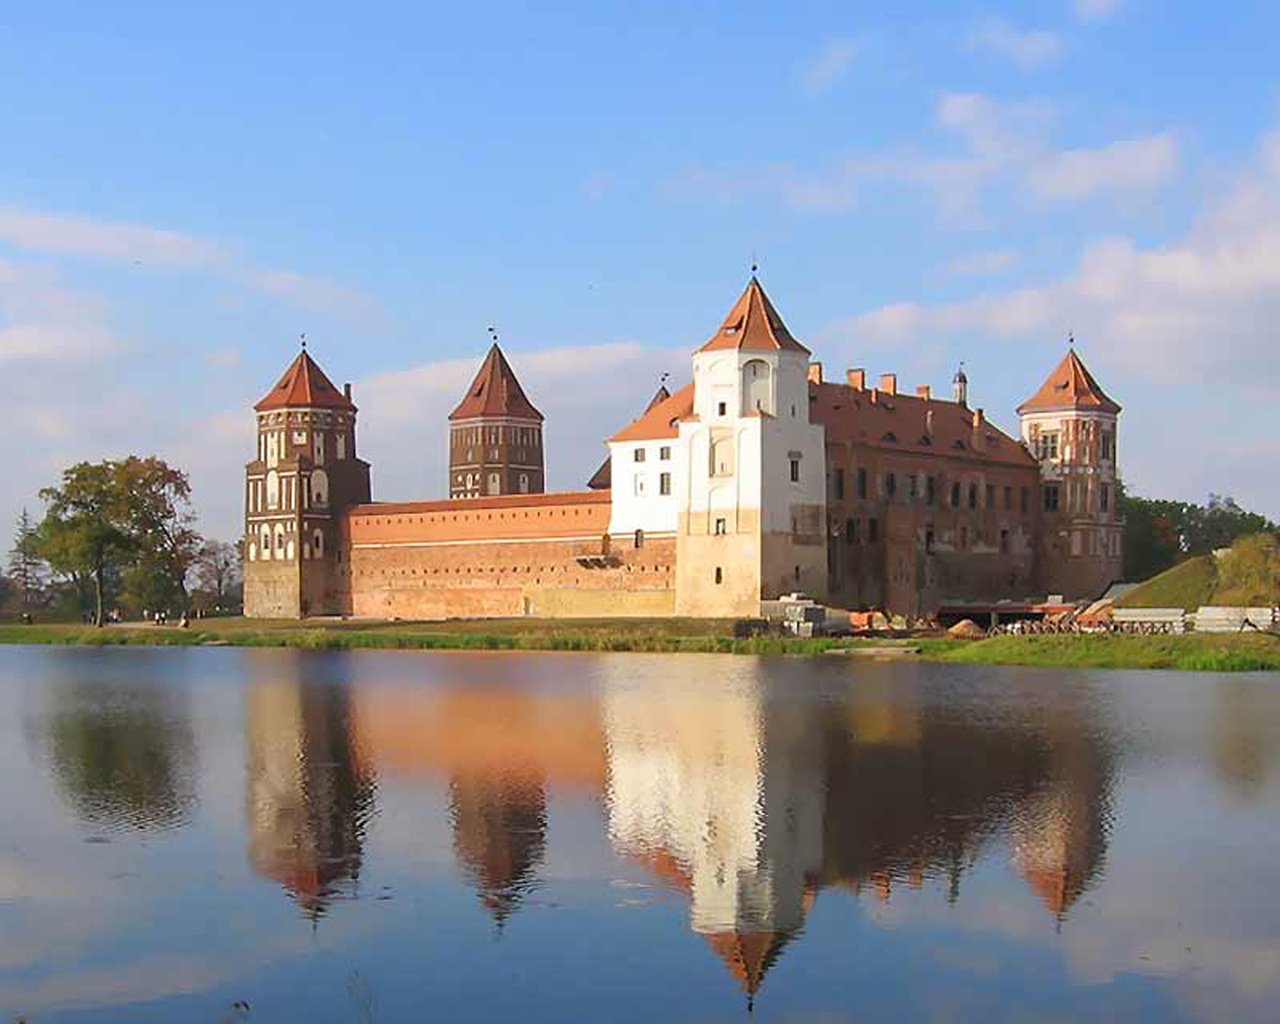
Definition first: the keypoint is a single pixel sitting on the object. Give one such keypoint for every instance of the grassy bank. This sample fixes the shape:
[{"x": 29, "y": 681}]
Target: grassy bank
[
  {"x": 640, "y": 635},
  {"x": 1193, "y": 652},
  {"x": 1245, "y": 652}
]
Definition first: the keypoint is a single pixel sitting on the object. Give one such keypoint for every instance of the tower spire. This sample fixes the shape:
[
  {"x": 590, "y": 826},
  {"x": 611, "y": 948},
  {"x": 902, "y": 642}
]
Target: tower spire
[{"x": 960, "y": 386}]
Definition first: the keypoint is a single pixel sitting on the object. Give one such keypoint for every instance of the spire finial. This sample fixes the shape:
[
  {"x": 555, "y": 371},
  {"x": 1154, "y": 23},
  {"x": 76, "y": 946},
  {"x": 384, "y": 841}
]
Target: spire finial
[
  {"x": 1071, "y": 339},
  {"x": 755, "y": 263},
  {"x": 493, "y": 334},
  {"x": 302, "y": 338}
]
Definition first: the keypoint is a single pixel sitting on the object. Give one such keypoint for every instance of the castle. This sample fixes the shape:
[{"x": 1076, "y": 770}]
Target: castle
[{"x": 759, "y": 478}]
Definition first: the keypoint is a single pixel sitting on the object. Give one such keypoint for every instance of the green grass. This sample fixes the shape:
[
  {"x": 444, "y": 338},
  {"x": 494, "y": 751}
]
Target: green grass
[
  {"x": 1191, "y": 652},
  {"x": 1187, "y": 585},
  {"x": 652, "y": 635},
  {"x": 1244, "y": 652}
]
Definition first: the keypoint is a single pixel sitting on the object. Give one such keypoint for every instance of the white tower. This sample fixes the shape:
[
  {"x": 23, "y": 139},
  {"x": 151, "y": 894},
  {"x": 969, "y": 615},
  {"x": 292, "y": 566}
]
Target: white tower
[{"x": 751, "y": 495}]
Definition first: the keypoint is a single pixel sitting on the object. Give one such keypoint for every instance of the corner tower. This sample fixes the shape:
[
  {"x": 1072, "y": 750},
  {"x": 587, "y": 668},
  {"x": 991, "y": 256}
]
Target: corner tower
[
  {"x": 495, "y": 436},
  {"x": 1070, "y": 425},
  {"x": 304, "y": 474},
  {"x": 752, "y": 491}
]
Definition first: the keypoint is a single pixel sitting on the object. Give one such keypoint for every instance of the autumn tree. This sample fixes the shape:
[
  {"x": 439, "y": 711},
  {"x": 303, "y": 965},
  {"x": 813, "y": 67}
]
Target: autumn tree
[
  {"x": 85, "y": 533},
  {"x": 127, "y": 519},
  {"x": 219, "y": 570}
]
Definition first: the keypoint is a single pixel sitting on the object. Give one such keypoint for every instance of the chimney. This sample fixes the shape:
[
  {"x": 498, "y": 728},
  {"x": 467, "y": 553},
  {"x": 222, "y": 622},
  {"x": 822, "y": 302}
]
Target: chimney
[
  {"x": 979, "y": 425},
  {"x": 815, "y": 373},
  {"x": 924, "y": 391},
  {"x": 856, "y": 378},
  {"x": 889, "y": 383},
  {"x": 346, "y": 391}
]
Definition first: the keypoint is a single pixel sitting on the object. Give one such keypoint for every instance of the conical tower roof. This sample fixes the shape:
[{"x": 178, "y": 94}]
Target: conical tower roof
[
  {"x": 304, "y": 385},
  {"x": 495, "y": 392},
  {"x": 1070, "y": 386},
  {"x": 753, "y": 324}
]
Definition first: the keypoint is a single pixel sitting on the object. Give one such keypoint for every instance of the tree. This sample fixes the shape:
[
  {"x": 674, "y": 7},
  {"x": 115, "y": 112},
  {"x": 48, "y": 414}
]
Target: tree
[
  {"x": 219, "y": 570},
  {"x": 157, "y": 498},
  {"x": 27, "y": 570},
  {"x": 85, "y": 533},
  {"x": 1158, "y": 534}
]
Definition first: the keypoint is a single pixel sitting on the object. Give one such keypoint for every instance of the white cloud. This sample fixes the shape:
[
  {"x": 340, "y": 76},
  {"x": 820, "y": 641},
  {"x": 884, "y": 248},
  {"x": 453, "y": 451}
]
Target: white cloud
[
  {"x": 976, "y": 264},
  {"x": 1095, "y": 10},
  {"x": 830, "y": 65},
  {"x": 1124, "y": 166},
  {"x": 1027, "y": 49},
  {"x": 42, "y": 319},
  {"x": 159, "y": 249},
  {"x": 83, "y": 236},
  {"x": 1005, "y": 144}
]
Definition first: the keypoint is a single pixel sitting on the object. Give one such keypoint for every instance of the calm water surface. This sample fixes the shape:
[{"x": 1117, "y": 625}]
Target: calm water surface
[{"x": 364, "y": 837}]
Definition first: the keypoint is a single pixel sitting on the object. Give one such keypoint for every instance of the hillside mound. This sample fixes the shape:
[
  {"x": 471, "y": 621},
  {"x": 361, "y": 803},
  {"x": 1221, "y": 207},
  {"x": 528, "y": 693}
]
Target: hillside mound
[{"x": 1187, "y": 585}]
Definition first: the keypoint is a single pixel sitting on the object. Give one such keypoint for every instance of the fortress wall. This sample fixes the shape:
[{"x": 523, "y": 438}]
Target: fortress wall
[{"x": 544, "y": 555}]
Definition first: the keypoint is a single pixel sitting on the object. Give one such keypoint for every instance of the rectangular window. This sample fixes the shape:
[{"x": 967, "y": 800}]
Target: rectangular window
[
  {"x": 840, "y": 485},
  {"x": 913, "y": 489},
  {"x": 955, "y": 494},
  {"x": 719, "y": 575},
  {"x": 991, "y": 496},
  {"x": 890, "y": 484},
  {"x": 795, "y": 471},
  {"x": 931, "y": 490},
  {"x": 1104, "y": 497},
  {"x": 1047, "y": 445},
  {"x": 873, "y": 529},
  {"x": 862, "y": 483},
  {"x": 638, "y": 455},
  {"x": 638, "y": 539},
  {"x": 1023, "y": 500},
  {"x": 1052, "y": 497},
  {"x": 664, "y": 453},
  {"x": 1008, "y": 499},
  {"x": 664, "y": 483},
  {"x": 721, "y": 408},
  {"x": 851, "y": 531},
  {"x": 722, "y": 527},
  {"x": 1107, "y": 444},
  {"x": 973, "y": 495}
]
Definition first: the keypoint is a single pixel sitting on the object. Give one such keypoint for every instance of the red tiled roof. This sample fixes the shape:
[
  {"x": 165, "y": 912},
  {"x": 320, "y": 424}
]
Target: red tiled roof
[
  {"x": 304, "y": 385},
  {"x": 660, "y": 419},
  {"x": 1070, "y": 386},
  {"x": 753, "y": 324},
  {"x": 602, "y": 478},
  {"x": 396, "y": 508},
  {"x": 748, "y": 954},
  {"x": 495, "y": 392},
  {"x": 903, "y": 423}
]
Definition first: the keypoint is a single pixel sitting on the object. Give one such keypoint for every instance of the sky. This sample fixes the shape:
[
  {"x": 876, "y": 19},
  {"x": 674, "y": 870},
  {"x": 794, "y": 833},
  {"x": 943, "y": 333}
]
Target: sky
[{"x": 186, "y": 190}]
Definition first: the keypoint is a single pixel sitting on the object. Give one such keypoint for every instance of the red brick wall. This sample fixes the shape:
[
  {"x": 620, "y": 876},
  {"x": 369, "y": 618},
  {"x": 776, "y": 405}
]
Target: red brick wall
[{"x": 528, "y": 555}]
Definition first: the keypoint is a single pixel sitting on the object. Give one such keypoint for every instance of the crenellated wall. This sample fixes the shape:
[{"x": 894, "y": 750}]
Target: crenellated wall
[{"x": 542, "y": 555}]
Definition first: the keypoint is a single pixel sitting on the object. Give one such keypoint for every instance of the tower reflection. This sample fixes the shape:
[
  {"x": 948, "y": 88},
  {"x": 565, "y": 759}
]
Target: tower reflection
[{"x": 309, "y": 796}]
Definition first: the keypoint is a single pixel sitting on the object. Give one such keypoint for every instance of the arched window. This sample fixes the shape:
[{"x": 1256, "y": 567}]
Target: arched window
[
  {"x": 757, "y": 389},
  {"x": 319, "y": 488},
  {"x": 265, "y": 543},
  {"x": 273, "y": 489},
  {"x": 280, "y": 540},
  {"x": 722, "y": 455},
  {"x": 639, "y": 538}
]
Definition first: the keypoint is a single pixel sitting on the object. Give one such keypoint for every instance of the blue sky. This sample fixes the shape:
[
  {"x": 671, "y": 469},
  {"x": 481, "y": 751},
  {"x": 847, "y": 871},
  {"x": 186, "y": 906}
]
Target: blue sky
[{"x": 184, "y": 192}]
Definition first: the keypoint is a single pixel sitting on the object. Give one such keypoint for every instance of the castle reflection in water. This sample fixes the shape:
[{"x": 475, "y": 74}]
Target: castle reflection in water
[{"x": 738, "y": 794}]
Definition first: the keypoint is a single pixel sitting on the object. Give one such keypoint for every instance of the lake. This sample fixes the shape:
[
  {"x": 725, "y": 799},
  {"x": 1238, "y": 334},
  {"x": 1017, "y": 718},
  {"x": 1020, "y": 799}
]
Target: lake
[{"x": 232, "y": 835}]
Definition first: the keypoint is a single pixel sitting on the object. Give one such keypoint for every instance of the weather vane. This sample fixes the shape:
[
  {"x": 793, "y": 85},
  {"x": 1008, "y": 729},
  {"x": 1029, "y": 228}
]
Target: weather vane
[
  {"x": 303, "y": 338},
  {"x": 493, "y": 333}
]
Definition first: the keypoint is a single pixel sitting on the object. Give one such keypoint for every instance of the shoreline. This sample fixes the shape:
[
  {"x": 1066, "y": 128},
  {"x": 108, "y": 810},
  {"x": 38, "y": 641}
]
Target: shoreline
[{"x": 1187, "y": 652}]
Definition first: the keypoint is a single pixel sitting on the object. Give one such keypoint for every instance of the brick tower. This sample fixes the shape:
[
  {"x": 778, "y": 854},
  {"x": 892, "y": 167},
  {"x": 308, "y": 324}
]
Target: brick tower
[
  {"x": 1070, "y": 427},
  {"x": 495, "y": 436},
  {"x": 304, "y": 474}
]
